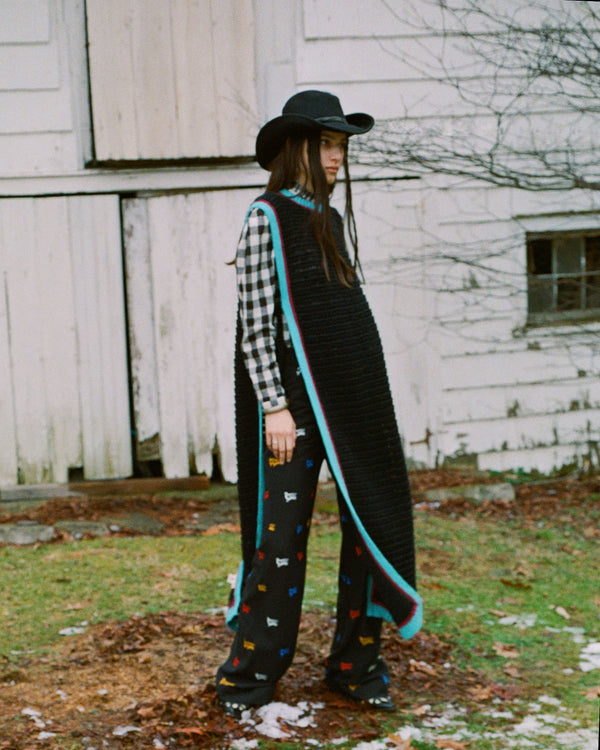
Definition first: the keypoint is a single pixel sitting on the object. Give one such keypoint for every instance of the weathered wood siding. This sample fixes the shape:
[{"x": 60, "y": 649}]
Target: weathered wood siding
[
  {"x": 516, "y": 396},
  {"x": 172, "y": 79},
  {"x": 448, "y": 282},
  {"x": 193, "y": 79},
  {"x": 64, "y": 399},
  {"x": 182, "y": 300},
  {"x": 44, "y": 124}
]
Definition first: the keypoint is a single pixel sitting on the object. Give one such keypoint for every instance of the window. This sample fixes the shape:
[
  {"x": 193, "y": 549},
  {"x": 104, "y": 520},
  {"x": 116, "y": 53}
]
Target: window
[{"x": 563, "y": 276}]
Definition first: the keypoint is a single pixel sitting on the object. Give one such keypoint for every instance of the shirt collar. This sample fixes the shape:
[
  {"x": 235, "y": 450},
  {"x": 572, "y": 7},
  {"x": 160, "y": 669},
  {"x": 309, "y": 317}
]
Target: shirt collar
[{"x": 302, "y": 192}]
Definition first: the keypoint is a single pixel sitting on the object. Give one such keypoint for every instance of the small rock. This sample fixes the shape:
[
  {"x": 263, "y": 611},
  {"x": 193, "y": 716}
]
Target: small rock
[
  {"x": 25, "y": 533},
  {"x": 475, "y": 493}
]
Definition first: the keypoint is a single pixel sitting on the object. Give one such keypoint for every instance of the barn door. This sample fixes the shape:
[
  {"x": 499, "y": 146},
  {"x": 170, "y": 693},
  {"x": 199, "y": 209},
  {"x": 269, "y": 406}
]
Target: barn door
[{"x": 181, "y": 316}]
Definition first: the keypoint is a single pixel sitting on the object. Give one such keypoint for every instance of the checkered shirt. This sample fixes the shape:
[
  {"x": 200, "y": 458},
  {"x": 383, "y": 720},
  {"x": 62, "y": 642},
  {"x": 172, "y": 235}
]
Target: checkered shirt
[{"x": 258, "y": 295}]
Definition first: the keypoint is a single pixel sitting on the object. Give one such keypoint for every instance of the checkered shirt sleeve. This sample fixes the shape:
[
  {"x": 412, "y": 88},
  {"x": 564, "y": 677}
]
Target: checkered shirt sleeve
[{"x": 257, "y": 293}]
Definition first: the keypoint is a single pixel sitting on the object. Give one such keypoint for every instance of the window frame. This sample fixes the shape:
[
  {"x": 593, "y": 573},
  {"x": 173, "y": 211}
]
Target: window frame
[{"x": 555, "y": 316}]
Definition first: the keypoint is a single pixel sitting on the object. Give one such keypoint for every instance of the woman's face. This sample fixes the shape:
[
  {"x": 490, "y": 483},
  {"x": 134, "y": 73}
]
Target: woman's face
[{"x": 332, "y": 148}]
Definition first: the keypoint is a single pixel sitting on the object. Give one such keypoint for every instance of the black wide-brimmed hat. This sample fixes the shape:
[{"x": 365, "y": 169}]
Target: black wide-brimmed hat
[{"x": 307, "y": 111}]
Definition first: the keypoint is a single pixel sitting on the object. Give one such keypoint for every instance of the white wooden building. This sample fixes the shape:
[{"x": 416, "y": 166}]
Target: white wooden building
[{"x": 126, "y": 134}]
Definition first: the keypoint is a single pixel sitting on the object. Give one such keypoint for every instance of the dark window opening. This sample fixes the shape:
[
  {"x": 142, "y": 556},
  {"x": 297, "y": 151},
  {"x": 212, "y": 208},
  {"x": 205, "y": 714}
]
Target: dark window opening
[{"x": 563, "y": 277}]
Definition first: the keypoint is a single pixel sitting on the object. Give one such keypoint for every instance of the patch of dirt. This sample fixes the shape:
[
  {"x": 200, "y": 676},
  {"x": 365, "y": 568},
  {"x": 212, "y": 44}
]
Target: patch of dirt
[
  {"x": 148, "y": 682},
  {"x": 179, "y": 513},
  {"x": 569, "y": 500}
]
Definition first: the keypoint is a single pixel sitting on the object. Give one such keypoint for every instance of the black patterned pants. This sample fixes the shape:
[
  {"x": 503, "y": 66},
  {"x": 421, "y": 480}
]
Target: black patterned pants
[{"x": 271, "y": 598}]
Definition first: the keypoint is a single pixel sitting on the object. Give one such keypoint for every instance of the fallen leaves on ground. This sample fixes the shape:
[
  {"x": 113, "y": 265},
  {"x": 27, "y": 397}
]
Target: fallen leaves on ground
[
  {"x": 151, "y": 678},
  {"x": 506, "y": 650}
]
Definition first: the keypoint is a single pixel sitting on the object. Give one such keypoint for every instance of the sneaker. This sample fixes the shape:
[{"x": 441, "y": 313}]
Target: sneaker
[{"x": 235, "y": 709}]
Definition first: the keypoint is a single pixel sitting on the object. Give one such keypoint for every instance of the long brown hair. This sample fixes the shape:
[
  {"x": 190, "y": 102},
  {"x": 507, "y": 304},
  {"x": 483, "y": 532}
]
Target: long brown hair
[{"x": 284, "y": 174}]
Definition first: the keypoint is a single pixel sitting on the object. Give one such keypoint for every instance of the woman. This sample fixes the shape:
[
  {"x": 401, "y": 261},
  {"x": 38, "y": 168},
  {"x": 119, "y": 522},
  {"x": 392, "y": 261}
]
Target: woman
[{"x": 311, "y": 385}]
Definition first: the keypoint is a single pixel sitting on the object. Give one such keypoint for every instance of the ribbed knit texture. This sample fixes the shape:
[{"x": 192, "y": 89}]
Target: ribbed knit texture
[{"x": 343, "y": 348}]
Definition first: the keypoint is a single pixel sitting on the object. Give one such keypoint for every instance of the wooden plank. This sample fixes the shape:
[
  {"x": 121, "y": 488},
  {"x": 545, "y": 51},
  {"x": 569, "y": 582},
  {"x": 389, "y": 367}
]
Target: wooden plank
[
  {"x": 112, "y": 80},
  {"x": 25, "y": 21},
  {"x": 147, "y": 486},
  {"x": 338, "y": 18},
  {"x": 169, "y": 337},
  {"x": 225, "y": 214},
  {"x": 544, "y": 460},
  {"x": 198, "y": 303},
  {"x": 8, "y": 440},
  {"x": 100, "y": 316},
  {"x": 57, "y": 333},
  {"x": 538, "y": 431},
  {"x": 153, "y": 73},
  {"x": 140, "y": 316},
  {"x": 512, "y": 401},
  {"x": 196, "y": 95},
  {"x": 25, "y": 313},
  {"x": 234, "y": 75}
]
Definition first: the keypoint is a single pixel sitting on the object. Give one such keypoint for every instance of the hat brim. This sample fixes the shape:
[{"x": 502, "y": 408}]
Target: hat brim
[{"x": 272, "y": 135}]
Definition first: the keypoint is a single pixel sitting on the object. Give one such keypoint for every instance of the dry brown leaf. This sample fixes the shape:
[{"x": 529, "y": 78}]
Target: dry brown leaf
[
  {"x": 423, "y": 667},
  {"x": 422, "y": 710},
  {"x": 592, "y": 694},
  {"x": 481, "y": 694},
  {"x": 448, "y": 744},
  {"x": 562, "y": 612},
  {"x": 219, "y": 527},
  {"x": 497, "y": 613},
  {"x": 512, "y": 671},
  {"x": 507, "y": 650},
  {"x": 191, "y": 730},
  {"x": 400, "y": 743},
  {"x": 515, "y": 584}
]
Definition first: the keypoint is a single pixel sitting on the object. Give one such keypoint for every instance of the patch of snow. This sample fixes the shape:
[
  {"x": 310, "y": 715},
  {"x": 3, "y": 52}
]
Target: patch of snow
[
  {"x": 501, "y": 715},
  {"x": 242, "y": 744},
  {"x": 549, "y": 700},
  {"x": 590, "y": 657},
  {"x": 122, "y": 731},
  {"x": 577, "y": 633},
  {"x": 72, "y": 631},
  {"x": 35, "y": 716},
  {"x": 46, "y": 735},
  {"x": 520, "y": 621},
  {"x": 271, "y": 714}
]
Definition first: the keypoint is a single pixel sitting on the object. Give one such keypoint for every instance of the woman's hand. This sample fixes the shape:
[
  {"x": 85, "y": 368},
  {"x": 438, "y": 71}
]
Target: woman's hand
[{"x": 280, "y": 434}]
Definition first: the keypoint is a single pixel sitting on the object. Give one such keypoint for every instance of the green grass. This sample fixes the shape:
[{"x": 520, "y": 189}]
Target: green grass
[
  {"x": 472, "y": 571},
  {"x": 59, "y": 586}
]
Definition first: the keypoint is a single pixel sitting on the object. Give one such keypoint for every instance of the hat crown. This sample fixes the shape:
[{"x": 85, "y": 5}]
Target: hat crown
[
  {"x": 303, "y": 113},
  {"x": 314, "y": 104}
]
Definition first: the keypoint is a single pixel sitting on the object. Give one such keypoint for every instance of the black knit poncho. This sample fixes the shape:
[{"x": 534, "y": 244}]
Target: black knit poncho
[{"x": 339, "y": 352}]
